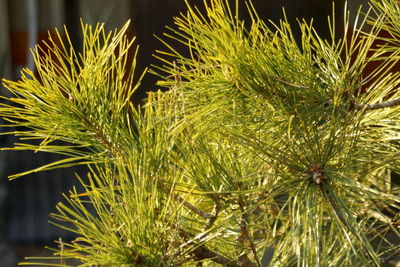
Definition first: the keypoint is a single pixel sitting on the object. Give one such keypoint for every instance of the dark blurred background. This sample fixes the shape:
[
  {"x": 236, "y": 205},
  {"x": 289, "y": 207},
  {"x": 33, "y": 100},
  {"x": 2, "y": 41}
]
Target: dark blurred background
[{"x": 25, "y": 203}]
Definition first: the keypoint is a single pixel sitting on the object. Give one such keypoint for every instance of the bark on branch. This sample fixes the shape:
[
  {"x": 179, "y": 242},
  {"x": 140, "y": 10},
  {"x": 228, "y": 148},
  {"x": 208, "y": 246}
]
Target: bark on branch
[
  {"x": 381, "y": 105},
  {"x": 201, "y": 213},
  {"x": 246, "y": 234},
  {"x": 390, "y": 258},
  {"x": 201, "y": 252}
]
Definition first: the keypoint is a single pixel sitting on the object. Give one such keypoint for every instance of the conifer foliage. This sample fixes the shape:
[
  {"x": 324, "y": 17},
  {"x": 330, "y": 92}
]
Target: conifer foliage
[{"x": 261, "y": 149}]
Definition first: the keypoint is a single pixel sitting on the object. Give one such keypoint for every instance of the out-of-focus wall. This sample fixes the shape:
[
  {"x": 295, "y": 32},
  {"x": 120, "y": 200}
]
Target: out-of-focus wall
[
  {"x": 113, "y": 13},
  {"x": 5, "y": 57},
  {"x": 50, "y": 14},
  {"x": 46, "y": 15}
]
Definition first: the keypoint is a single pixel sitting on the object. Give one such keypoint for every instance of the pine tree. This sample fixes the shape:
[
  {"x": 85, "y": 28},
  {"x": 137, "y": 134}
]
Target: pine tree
[{"x": 261, "y": 148}]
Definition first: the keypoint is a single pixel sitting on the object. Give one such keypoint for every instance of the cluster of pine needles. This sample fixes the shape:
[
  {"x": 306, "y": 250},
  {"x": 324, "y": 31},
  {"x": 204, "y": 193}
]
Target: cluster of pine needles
[{"x": 262, "y": 148}]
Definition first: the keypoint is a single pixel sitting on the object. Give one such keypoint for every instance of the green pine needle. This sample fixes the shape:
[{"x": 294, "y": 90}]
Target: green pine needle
[{"x": 261, "y": 143}]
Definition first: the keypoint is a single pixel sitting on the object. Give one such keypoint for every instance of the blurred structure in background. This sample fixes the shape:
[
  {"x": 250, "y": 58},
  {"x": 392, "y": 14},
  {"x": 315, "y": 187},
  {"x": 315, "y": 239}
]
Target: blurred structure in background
[
  {"x": 24, "y": 22},
  {"x": 8, "y": 255}
]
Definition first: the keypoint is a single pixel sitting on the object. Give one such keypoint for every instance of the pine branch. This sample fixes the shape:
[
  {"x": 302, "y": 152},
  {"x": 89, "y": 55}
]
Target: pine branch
[
  {"x": 389, "y": 258},
  {"x": 245, "y": 232},
  {"x": 381, "y": 105},
  {"x": 211, "y": 217},
  {"x": 201, "y": 213},
  {"x": 85, "y": 99},
  {"x": 212, "y": 220},
  {"x": 286, "y": 82},
  {"x": 377, "y": 215},
  {"x": 329, "y": 195},
  {"x": 201, "y": 252},
  {"x": 102, "y": 138}
]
